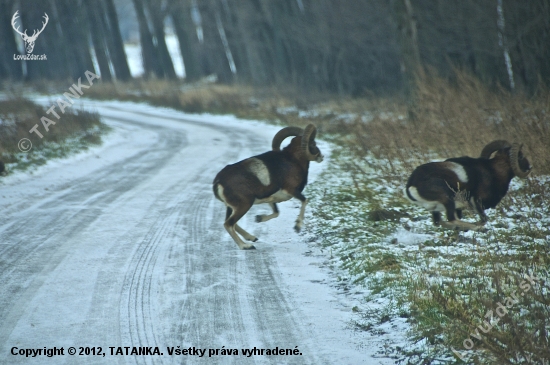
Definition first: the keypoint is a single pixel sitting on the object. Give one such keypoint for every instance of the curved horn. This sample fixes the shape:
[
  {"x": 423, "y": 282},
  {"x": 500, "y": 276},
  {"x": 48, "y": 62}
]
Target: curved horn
[
  {"x": 494, "y": 146},
  {"x": 514, "y": 156},
  {"x": 309, "y": 134},
  {"x": 284, "y": 133}
]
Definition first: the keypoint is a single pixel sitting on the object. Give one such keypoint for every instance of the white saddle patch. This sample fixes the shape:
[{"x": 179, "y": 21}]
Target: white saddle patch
[
  {"x": 258, "y": 168},
  {"x": 459, "y": 170}
]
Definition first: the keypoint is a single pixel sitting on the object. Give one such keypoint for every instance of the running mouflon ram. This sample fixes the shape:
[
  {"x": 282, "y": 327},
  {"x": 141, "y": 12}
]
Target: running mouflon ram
[
  {"x": 272, "y": 177},
  {"x": 466, "y": 182}
]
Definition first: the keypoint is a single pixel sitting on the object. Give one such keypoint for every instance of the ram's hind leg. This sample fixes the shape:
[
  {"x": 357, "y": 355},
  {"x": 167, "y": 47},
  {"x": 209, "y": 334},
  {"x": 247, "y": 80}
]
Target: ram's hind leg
[
  {"x": 247, "y": 236},
  {"x": 479, "y": 209},
  {"x": 230, "y": 225},
  {"x": 436, "y": 218},
  {"x": 264, "y": 218}
]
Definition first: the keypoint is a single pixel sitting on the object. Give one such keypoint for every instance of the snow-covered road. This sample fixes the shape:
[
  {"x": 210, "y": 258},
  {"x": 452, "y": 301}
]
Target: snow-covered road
[{"x": 123, "y": 246}]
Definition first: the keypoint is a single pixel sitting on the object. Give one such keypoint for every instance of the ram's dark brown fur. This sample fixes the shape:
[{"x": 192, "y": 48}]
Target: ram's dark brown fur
[
  {"x": 270, "y": 178},
  {"x": 464, "y": 182}
]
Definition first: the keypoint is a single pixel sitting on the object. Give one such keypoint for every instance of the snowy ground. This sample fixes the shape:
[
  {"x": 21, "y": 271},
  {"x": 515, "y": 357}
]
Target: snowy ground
[
  {"x": 403, "y": 262},
  {"x": 123, "y": 245}
]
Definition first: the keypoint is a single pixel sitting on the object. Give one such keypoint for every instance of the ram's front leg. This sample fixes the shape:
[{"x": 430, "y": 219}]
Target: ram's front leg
[
  {"x": 264, "y": 218},
  {"x": 300, "y": 219},
  {"x": 479, "y": 209}
]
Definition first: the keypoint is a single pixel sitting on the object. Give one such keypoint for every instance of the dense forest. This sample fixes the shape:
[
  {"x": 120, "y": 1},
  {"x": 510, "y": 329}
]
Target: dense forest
[{"x": 348, "y": 47}]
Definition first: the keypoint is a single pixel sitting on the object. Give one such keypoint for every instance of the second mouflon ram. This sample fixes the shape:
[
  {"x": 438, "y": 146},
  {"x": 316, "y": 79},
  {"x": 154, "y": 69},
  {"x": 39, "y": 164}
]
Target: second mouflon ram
[
  {"x": 271, "y": 177},
  {"x": 466, "y": 182}
]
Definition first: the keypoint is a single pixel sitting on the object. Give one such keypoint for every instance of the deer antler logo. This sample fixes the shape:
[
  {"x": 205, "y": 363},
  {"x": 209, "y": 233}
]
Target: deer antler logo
[{"x": 29, "y": 41}]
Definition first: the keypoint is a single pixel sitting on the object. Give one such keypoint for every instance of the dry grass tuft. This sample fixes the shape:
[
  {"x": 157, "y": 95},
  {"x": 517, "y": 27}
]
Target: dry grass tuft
[
  {"x": 19, "y": 115},
  {"x": 201, "y": 97},
  {"x": 459, "y": 118}
]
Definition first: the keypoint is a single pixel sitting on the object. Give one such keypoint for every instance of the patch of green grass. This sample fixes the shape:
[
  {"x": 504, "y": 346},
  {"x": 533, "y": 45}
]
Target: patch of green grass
[
  {"x": 76, "y": 130},
  {"x": 443, "y": 281}
]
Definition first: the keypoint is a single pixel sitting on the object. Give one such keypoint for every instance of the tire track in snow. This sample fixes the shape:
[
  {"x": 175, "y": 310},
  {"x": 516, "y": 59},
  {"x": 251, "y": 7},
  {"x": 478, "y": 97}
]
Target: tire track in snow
[
  {"x": 138, "y": 285},
  {"x": 137, "y": 307},
  {"x": 227, "y": 300},
  {"x": 141, "y": 314},
  {"x": 40, "y": 242},
  {"x": 177, "y": 278}
]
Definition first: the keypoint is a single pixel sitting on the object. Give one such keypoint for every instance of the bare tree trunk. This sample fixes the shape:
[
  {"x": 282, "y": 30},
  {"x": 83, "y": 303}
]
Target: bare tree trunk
[
  {"x": 116, "y": 45},
  {"x": 410, "y": 55},
  {"x": 466, "y": 32},
  {"x": 162, "y": 53},
  {"x": 235, "y": 41},
  {"x": 298, "y": 56},
  {"x": 151, "y": 64},
  {"x": 98, "y": 39},
  {"x": 187, "y": 39},
  {"x": 225, "y": 43},
  {"x": 261, "y": 39},
  {"x": 411, "y": 23},
  {"x": 276, "y": 10},
  {"x": 247, "y": 16},
  {"x": 75, "y": 31},
  {"x": 503, "y": 43},
  {"x": 214, "y": 49}
]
